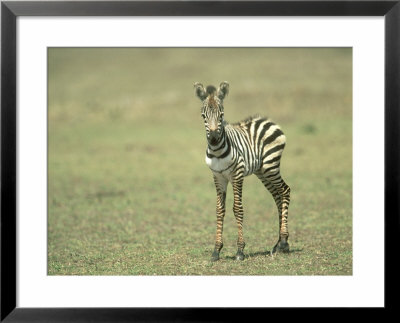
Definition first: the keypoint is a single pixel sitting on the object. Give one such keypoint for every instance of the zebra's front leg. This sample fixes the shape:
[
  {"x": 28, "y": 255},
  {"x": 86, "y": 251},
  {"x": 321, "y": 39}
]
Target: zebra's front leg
[
  {"x": 220, "y": 185},
  {"x": 237, "y": 185}
]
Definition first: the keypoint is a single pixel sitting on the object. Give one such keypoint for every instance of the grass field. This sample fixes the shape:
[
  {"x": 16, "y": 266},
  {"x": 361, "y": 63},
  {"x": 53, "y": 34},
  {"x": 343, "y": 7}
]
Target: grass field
[{"x": 129, "y": 190}]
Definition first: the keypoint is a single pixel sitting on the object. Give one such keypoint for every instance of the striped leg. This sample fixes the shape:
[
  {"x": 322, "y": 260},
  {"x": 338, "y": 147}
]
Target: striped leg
[
  {"x": 281, "y": 194},
  {"x": 220, "y": 185},
  {"x": 237, "y": 185}
]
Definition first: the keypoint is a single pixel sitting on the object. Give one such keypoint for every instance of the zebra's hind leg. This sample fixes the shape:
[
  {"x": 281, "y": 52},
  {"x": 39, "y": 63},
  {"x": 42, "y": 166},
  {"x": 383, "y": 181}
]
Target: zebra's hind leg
[
  {"x": 220, "y": 185},
  {"x": 281, "y": 194},
  {"x": 237, "y": 185}
]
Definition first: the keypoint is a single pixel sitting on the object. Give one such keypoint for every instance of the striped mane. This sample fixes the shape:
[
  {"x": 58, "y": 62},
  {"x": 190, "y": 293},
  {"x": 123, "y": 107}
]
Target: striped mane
[{"x": 211, "y": 92}]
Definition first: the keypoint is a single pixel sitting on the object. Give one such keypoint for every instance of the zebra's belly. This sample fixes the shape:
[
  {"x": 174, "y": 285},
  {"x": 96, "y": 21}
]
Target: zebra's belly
[{"x": 223, "y": 166}]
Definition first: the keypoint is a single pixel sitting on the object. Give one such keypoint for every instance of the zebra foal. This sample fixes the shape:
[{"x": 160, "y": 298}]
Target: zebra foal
[{"x": 252, "y": 146}]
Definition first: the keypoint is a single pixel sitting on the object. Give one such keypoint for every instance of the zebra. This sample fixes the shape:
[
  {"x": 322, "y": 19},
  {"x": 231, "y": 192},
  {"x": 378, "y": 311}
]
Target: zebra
[{"x": 252, "y": 146}]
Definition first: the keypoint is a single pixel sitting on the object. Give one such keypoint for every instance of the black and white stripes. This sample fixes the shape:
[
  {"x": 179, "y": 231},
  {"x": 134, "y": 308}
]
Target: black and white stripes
[{"x": 252, "y": 146}]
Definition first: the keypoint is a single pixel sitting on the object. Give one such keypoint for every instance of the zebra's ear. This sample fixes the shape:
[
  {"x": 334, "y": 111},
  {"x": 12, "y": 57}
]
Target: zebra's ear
[
  {"x": 223, "y": 90},
  {"x": 200, "y": 91}
]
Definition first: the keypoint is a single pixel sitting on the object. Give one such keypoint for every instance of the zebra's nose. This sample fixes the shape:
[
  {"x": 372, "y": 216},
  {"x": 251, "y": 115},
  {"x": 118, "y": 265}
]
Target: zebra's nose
[{"x": 213, "y": 137}]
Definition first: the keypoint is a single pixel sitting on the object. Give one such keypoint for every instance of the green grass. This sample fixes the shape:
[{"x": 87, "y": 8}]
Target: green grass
[{"x": 130, "y": 193}]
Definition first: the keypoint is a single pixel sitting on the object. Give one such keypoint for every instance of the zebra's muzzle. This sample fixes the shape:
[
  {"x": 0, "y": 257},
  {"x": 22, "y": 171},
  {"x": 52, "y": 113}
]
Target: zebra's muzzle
[{"x": 213, "y": 137}]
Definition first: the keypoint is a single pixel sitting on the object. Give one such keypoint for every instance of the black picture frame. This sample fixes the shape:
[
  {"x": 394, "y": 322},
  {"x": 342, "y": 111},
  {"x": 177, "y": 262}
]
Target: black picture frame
[{"x": 11, "y": 10}]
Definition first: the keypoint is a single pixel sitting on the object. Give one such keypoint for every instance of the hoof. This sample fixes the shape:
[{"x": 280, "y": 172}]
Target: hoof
[
  {"x": 239, "y": 255},
  {"x": 281, "y": 246},
  {"x": 215, "y": 256}
]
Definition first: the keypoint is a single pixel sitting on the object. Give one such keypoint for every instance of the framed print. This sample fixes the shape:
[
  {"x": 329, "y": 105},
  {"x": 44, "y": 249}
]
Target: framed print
[{"x": 108, "y": 206}]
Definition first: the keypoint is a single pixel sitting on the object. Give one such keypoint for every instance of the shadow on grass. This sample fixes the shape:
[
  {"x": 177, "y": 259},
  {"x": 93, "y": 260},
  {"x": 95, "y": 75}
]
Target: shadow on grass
[{"x": 262, "y": 253}]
